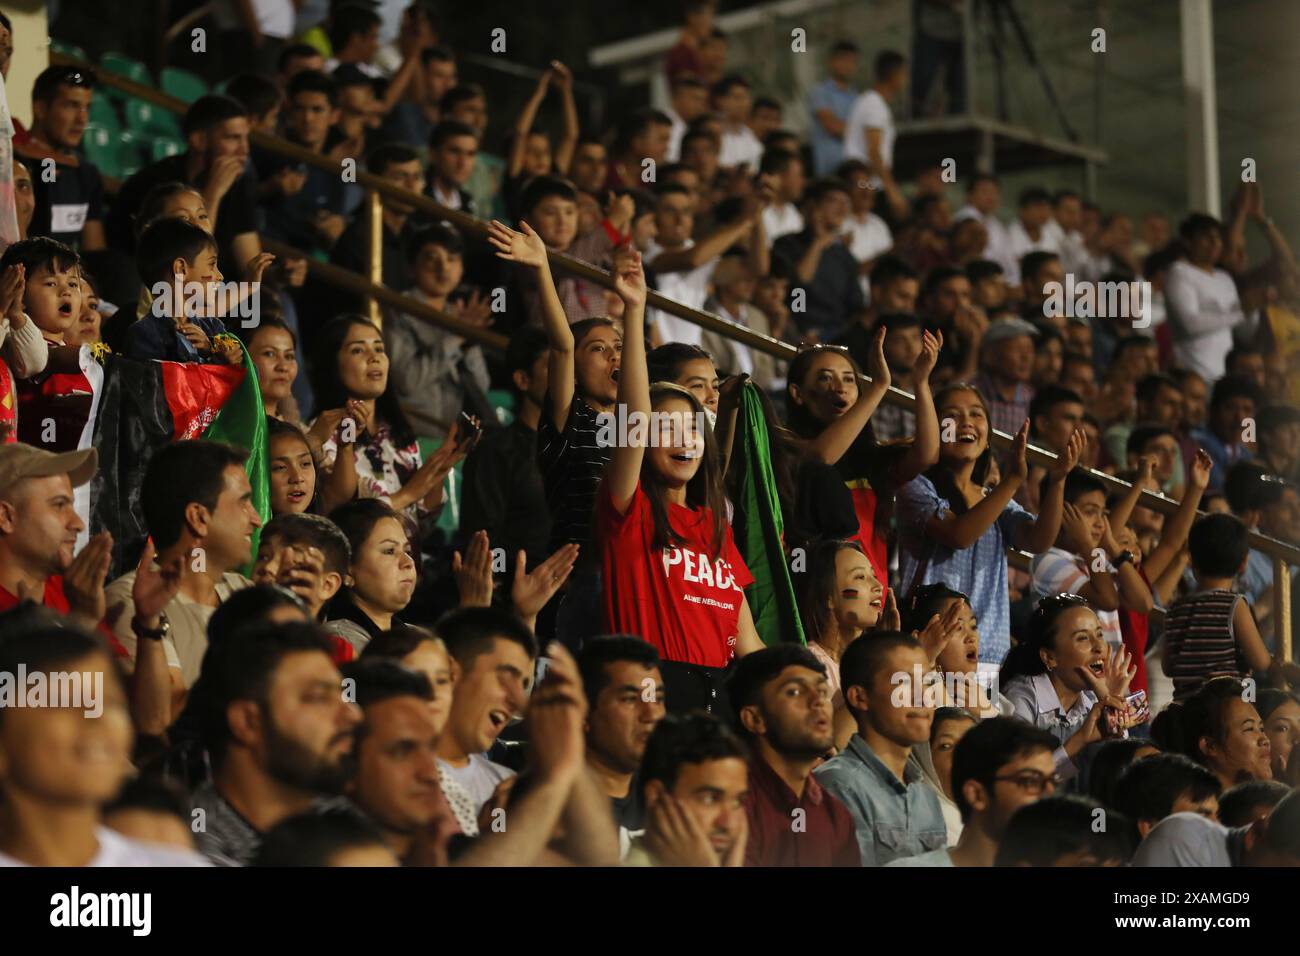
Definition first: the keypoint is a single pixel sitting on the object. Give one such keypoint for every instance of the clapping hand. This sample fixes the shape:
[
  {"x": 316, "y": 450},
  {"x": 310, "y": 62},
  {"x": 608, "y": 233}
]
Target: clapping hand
[{"x": 525, "y": 248}]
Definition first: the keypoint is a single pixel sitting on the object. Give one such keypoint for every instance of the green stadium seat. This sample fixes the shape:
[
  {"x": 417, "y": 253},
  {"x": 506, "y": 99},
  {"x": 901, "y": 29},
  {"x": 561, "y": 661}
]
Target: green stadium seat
[
  {"x": 116, "y": 153},
  {"x": 103, "y": 113},
  {"x": 145, "y": 119},
  {"x": 183, "y": 84},
  {"x": 67, "y": 49},
  {"x": 126, "y": 67},
  {"x": 164, "y": 146}
]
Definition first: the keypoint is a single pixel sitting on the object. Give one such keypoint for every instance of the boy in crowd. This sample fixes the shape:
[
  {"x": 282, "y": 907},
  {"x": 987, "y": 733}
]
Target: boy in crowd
[
  {"x": 690, "y": 101},
  {"x": 999, "y": 766},
  {"x": 625, "y": 693},
  {"x": 453, "y": 149},
  {"x": 785, "y": 171},
  {"x": 694, "y": 784},
  {"x": 1211, "y": 632},
  {"x": 733, "y": 101},
  {"x": 783, "y": 706},
  {"x": 178, "y": 262},
  {"x": 895, "y": 812},
  {"x": 304, "y": 205},
  {"x": 1029, "y": 233},
  {"x": 682, "y": 267},
  {"x": 306, "y": 554},
  {"x": 903, "y": 347},
  {"x": 869, "y": 235},
  {"x": 824, "y": 272},
  {"x": 436, "y": 373},
  {"x": 1189, "y": 839},
  {"x": 1157, "y": 786},
  {"x": 1055, "y": 414},
  {"x": 1233, "y": 403}
]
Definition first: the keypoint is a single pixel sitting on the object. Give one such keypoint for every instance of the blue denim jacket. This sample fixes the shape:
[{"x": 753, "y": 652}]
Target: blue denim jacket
[
  {"x": 894, "y": 818},
  {"x": 155, "y": 337}
]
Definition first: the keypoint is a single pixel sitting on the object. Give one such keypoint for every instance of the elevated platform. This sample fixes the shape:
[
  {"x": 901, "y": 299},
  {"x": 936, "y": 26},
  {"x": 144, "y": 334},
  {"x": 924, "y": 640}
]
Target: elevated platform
[{"x": 985, "y": 144}]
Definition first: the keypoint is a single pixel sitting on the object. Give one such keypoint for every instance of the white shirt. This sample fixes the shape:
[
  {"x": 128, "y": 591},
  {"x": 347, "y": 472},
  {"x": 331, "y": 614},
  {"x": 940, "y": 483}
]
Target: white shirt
[
  {"x": 274, "y": 17},
  {"x": 116, "y": 850},
  {"x": 675, "y": 135},
  {"x": 996, "y": 247},
  {"x": 451, "y": 200},
  {"x": 689, "y": 288},
  {"x": 869, "y": 112},
  {"x": 479, "y": 778},
  {"x": 1203, "y": 310},
  {"x": 781, "y": 220},
  {"x": 1019, "y": 243},
  {"x": 870, "y": 236},
  {"x": 740, "y": 148},
  {"x": 1074, "y": 252}
]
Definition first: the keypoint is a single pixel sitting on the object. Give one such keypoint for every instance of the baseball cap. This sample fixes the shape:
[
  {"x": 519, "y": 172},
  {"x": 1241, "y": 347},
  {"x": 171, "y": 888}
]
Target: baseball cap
[
  {"x": 1004, "y": 329},
  {"x": 19, "y": 461}
]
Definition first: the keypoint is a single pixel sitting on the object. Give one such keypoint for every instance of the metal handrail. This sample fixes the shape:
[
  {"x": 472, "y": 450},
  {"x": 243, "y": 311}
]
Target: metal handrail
[{"x": 1283, "y": 554}]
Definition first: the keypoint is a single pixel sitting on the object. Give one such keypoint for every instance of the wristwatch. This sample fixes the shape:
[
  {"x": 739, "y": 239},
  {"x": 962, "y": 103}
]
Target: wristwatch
[
  {"x": 1121, "y": 559},
  {"x": 151, "y": 634}
]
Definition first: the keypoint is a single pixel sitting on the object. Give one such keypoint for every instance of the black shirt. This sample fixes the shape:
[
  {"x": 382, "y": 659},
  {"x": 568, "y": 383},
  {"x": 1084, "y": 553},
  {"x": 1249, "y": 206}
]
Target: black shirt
[
  {"x": 572, "y": 464},
  {"x": 503, "y": 494},
  {"x": 236, "y": 215},
  {"x": 63, "y": 207},
  {"x": 352, "y": 252},
  {"x": 835, "y": 293}
]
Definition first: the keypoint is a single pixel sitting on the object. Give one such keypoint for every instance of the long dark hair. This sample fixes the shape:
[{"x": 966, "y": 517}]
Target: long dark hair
[
  {"x": 275, "y": 428},
  {"x": 1025, "y": 659},
  {"x": 939, "y": 474},
  {"x": 705, "y": 490},
  {"x": 817, "y": 586},
  {"x": 1182, "y": 724},
  {"x": 801, "y": 421},
  {"x": 329, "y": 389}
]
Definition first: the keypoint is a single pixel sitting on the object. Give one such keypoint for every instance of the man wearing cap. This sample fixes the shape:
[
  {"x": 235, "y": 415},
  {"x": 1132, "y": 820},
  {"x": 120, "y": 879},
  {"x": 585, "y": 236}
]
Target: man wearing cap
[
  {"x": 1006, "y": 366},
  {"x": 38, "y": 534}
]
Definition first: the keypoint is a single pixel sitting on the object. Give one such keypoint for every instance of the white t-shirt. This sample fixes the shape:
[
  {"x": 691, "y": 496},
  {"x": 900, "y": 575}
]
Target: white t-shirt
[
  {"x": 1203, "y": 310},
  {"x": 1020, "y": 243},
  {"x": 689, "y": 288},
  {"x": 871, "y": 236},
  {"x": 479, "y": 777},
  {"x": 781, "y": 221},
  {"x": 869, "y": 112},
  {"x": 1074, "y": 252},
  {"x": 116, "y": 850},
  {"x": 996, "y": 247},
  {"x": 274, "y": 17},
  {"x": 740, "y": 147}
]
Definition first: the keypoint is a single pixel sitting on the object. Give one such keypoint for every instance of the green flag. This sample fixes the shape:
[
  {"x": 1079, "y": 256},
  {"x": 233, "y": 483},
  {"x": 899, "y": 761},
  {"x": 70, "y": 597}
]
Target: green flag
[
  {"x": 242, "y": 422},
  {"x": 758, "y": 527}
]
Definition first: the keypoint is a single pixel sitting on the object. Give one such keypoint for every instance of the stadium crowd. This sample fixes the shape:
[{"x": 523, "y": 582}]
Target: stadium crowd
[{"x": 431, "y": 614}]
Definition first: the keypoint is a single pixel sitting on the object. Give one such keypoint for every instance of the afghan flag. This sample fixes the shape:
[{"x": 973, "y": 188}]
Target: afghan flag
[
  {"x": 759, "y": 529},
  {"x": 128, "y": 410}
]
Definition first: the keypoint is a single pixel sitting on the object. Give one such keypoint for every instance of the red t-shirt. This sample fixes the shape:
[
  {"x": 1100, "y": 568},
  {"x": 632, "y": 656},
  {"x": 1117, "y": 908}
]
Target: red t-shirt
[
  {"x": 56, "y": 600},
  {"x": 1135, "y": 629},
  {"x": 683, "y": 600}
]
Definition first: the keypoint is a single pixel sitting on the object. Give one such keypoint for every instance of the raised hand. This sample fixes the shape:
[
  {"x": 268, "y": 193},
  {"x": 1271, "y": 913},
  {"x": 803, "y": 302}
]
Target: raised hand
[
  {"x": 474, "y": 309},
  {"x": 889, "y": 620},
  {"x": 1119, "y": 672},
  {"x": 877, "y": 367},
  {"x": 325, "y": 425},
  {"x": 556, "y": 713},
  {"x": 629, "y": 280},
  {"x": 525, "y": 248},
  {"x": 931, "y": 345},
  {"x": 1199, "y": 474},
  {"x": 362, "y": 415},
  {"x": 1018, "y": 464},
  {"x": 258, "y": 265},
  {"x": 83, "y": 581},
  {"x": 940, "y": 631},
  {"x": 473, "y": 572},
  {"x": 13, "y": 286},
  {"x": 531, "y": 590},
  {"x": 222, "y": 176},
  {"x": 562, "y": 74},
  {"x": 674, "y": 837},
  {"x": 154, "y": 588},
  {"x": 1068, "y": 459},
  {"x": 1077, "y": 534}
]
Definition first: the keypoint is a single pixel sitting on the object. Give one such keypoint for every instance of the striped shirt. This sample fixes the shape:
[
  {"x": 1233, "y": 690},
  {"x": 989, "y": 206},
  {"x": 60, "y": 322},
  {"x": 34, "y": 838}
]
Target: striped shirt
[
  {"x": 1057, "y": 571},
  {"x": 1202, "y": 644},
  {"x": 572, "y": 463}
]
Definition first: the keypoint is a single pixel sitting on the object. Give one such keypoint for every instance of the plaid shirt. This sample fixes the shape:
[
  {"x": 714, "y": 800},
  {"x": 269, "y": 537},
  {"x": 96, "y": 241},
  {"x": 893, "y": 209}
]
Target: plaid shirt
[{"x": 1006, "y": 416}]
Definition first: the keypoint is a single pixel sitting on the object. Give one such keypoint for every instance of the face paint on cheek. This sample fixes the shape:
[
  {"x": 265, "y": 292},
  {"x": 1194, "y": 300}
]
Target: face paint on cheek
[{"x": 850, "y": 593}]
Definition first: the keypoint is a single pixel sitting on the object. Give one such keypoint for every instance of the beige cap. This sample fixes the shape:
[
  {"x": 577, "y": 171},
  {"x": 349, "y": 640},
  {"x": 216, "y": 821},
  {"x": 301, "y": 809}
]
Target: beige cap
[{"x": 19, "y": 461}]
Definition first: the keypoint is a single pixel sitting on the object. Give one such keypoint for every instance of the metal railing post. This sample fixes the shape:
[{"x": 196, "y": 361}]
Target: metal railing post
[
  {"x": 1282, "y": 608},
  {"x": 375, "y": 209}
]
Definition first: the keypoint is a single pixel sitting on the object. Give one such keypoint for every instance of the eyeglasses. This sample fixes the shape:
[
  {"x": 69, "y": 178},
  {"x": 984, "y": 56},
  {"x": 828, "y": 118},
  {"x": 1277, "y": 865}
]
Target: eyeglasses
[{"x": 1032, "y": 782}]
